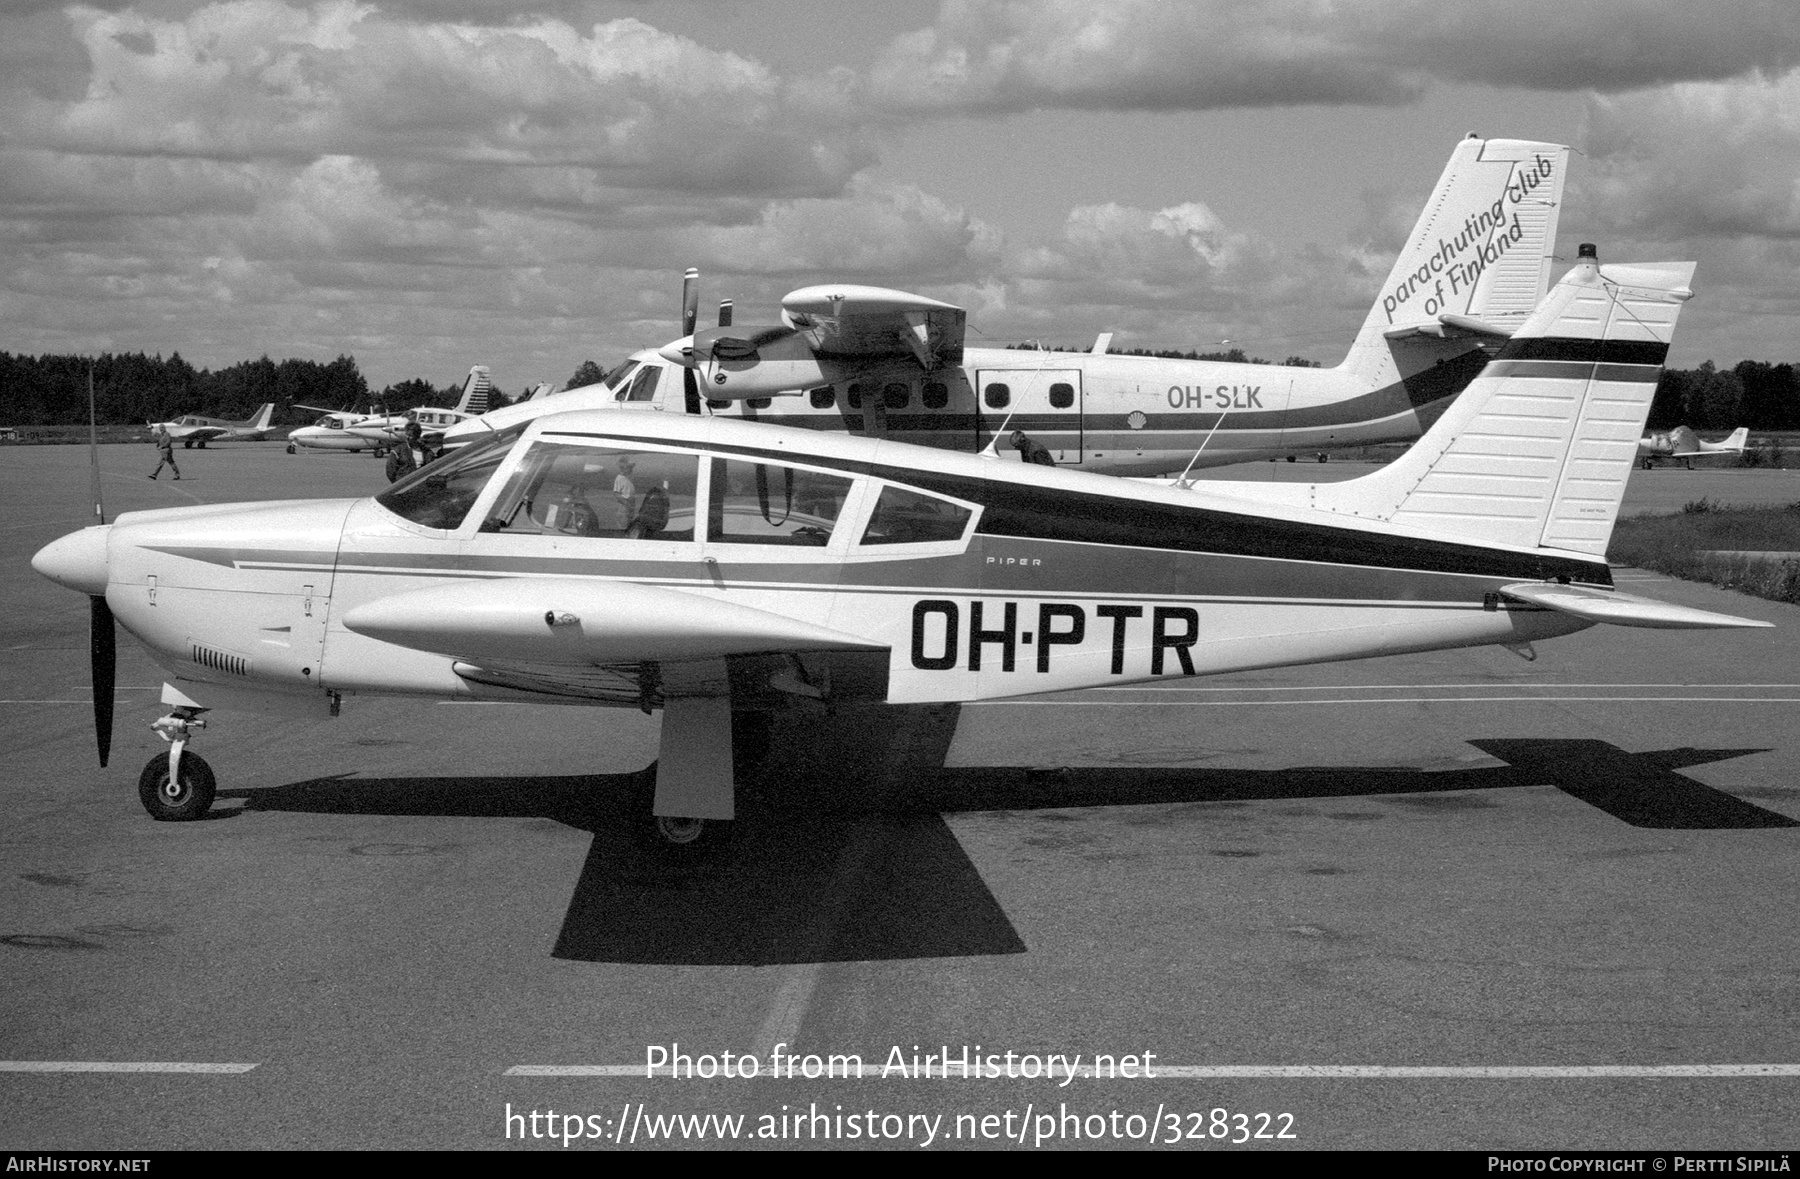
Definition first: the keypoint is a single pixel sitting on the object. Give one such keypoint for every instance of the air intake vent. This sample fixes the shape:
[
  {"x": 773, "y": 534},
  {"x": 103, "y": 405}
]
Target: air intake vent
[{"x": 219, "y": 660}]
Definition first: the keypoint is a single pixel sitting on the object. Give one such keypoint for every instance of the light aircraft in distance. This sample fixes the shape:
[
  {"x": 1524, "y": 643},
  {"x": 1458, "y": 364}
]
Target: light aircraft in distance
[
  {"x": 378, "y": 430},
  {"x": 1682, "y": 443},
  {"x": 889, "y": 363},
  {"x": 193, "y": 430},
  {"x": 721, "y": 571}
]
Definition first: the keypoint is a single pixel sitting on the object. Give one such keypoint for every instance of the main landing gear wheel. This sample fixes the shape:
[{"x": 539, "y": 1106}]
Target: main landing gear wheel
[
  {"x": 189, "y": 797},
  {"x": 290, "y": 448},
  {"x": 678, "y": 831},
  {"x": 672, "y": 841}
]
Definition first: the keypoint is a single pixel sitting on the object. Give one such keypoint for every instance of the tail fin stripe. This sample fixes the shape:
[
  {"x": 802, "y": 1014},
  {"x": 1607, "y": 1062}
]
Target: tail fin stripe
[{"x": 1589, "y": 351}]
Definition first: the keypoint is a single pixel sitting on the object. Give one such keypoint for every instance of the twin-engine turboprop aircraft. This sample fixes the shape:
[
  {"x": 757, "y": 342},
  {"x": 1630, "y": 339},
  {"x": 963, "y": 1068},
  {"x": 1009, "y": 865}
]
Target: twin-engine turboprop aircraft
[
  {"x": 343, "y": 430},
  {"x": 1682, "y": 443},
  {"x": 193, "y": 430},
  {"x": 719, "y": 570},
  {"x": 891, "y": 364}
]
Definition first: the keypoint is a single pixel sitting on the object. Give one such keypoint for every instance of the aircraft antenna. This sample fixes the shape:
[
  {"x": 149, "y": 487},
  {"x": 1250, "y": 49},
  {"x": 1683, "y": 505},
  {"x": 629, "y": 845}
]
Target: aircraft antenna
[
  {"x": 1184, "y": 482},
  {"x": 94, "y": 451}
]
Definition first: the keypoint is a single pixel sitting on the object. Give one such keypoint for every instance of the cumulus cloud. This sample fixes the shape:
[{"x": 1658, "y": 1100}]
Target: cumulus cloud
[
  {"x": 265, "y": 79},
  {"x": 1182, "y": 277},
  {"x": 1014, "y": 55},
  {"x": 410, "y": 179},
  {"x": 1698, "y": 160},
  {"x": 874, "y": 231}
]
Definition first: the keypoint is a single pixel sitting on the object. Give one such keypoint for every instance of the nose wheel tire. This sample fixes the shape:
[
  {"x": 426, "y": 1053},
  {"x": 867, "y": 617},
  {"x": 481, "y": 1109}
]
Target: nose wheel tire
[{"x": 189, "y": 797}]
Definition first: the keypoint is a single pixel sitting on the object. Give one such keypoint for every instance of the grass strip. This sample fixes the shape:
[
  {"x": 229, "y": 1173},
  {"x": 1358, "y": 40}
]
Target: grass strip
[{"x": 1687, "y": 544}]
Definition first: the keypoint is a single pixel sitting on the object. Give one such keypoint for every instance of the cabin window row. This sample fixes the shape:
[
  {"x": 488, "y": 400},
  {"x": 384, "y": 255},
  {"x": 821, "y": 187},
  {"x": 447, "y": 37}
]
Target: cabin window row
[{"x": 597, "y": 491}]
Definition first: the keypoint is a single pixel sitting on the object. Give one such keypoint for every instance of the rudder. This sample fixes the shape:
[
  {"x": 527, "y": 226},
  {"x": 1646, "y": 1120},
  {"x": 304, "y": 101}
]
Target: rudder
[{"x": 1537, "y": 451}]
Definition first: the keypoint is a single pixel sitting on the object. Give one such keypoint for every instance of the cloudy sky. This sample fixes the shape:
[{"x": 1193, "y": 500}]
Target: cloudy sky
[{"x": 426, "y": 184}]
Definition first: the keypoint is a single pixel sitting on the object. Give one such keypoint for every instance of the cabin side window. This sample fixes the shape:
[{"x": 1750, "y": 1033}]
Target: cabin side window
[
  {"x": 581, "y": 489},
  {"x": 936, "y": 395},
  {"x": 905, "y": 516},
  {"x": 764, "y": 503},
  {"x": 997, "y": 395},
  {"x": 1062, "y": 395},
  {"x": 823, "y": 398},
  {"x": 896, "y": 395}
]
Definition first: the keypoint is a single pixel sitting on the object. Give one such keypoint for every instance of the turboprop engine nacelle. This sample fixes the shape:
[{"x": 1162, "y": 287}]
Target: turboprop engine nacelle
[{"x": 735, "y": 364}]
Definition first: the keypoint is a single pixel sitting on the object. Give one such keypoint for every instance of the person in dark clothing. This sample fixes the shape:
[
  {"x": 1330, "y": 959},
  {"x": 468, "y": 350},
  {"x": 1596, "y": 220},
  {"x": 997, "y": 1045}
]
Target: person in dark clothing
[
  {"x": 410, "y": 455},
  {"x": 165, "y": 450},
  {"x": 1030, "y": 451}
]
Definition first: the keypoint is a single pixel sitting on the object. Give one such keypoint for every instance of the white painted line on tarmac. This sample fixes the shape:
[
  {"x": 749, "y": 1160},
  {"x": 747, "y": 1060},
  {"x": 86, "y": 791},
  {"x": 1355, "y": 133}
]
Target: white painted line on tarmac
[
  {"x": 1386, "y": 700},
  {"x": 1442, "y": 687},
  {"x": 787, "y": 1010},
  {"x": 120, "y": 1066},
  {"x": 872, "y": 1071}
]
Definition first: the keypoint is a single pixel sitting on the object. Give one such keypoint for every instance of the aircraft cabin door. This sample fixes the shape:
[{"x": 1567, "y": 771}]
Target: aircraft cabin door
[{"x": 1046, "y": 403}]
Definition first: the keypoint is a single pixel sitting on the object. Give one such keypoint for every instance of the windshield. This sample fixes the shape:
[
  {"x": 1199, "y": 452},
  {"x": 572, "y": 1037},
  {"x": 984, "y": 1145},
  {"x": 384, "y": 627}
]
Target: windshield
[
  {"x": 440, "y": 494},
  {"x": 612, "y": 379}
]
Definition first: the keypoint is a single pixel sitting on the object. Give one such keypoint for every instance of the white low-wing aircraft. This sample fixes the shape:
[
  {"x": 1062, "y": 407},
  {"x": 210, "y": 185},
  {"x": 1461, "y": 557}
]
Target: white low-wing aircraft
[
  {"x": 1682, "y": 443},
  {"x": 342, "y": 430},
  {"x": 888, "y": 363},
  {"x": 193, "y": 430},
  {"x": 719, "y": 570}
]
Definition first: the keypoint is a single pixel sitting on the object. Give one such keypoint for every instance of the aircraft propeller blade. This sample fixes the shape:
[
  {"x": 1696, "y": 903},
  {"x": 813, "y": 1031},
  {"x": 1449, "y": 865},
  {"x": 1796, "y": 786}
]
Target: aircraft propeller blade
[
  {"x": 690, "y": 301},
  {"x": 690, "y": 388},
  {"x": 103, "y": 664},
  {"x": 725, "y": 313}
]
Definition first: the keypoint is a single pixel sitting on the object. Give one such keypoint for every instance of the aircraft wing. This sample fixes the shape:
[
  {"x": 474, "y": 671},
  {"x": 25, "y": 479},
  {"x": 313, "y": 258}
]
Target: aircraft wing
[
  {"x": 1623, "y": 609},
  {"x": 575, "y": 624},
  {"x": 846, "y": 321},
  {"x": 199, "y": 433}
]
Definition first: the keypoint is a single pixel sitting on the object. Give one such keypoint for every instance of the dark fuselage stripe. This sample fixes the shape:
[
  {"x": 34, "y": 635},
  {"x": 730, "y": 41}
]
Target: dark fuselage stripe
[{"x": 1043, "y": 513}]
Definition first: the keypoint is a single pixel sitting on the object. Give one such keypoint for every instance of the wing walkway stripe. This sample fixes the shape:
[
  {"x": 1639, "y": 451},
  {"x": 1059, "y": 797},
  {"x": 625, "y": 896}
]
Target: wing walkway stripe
[
  {"x": 1500, "y": 1072},
  {"x": 121, "y": 1066}
]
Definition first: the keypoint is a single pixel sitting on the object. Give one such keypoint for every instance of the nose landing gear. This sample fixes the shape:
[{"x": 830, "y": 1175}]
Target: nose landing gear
[{"x": 177, "y": 786}]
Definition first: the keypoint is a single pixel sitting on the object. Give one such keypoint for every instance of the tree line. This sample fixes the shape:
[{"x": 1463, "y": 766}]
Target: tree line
[
  {"x": 1753, "y": 393},
  {"x": 131, "y": 388}
]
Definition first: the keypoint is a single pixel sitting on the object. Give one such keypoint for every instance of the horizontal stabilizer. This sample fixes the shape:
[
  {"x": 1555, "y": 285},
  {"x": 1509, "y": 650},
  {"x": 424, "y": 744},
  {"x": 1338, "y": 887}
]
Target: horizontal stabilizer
[
  {"x": 582, "y": 621},
  {"x": 1450, "y": 326},
  {"x": 1623, "y": 609}
]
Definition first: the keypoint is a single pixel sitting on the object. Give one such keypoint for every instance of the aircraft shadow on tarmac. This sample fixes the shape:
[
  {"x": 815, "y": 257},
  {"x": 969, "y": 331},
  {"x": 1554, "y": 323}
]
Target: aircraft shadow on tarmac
[{"x": 825, "y": 865}]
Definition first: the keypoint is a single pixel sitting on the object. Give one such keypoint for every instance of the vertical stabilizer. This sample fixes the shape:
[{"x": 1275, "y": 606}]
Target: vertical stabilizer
[
  {"x": 264, "y": 416},
  {"x": 1536, "y": 452},
  {"x": 475, "y": 390},
  {"x": 1480, "y": 250}
]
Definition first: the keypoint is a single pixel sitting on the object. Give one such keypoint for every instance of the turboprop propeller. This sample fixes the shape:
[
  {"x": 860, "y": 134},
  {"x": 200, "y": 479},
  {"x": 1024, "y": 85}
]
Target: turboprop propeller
[{"x": 690, "y": 322}]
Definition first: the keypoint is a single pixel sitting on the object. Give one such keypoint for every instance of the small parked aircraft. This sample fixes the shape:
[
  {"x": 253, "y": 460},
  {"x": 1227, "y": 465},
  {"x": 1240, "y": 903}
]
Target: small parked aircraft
[
  {"x": 720, "y": 571},
  {"x": 378, "y": 430},
  {"x": 892, "y": 364},
  {"x": 193, "y": 430},
  {"x": 1682, "y": 443}
]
